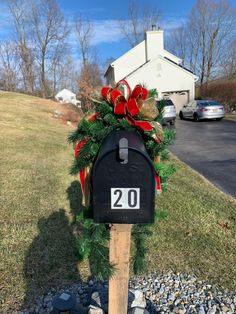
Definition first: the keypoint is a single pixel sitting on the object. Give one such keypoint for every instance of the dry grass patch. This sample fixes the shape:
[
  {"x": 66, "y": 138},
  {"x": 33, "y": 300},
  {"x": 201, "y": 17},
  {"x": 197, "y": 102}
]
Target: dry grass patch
[{"x": 230, "y": 116}]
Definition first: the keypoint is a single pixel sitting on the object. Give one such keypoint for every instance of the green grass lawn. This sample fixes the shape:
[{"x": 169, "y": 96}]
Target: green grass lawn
[{"x": 39, "y": 201}]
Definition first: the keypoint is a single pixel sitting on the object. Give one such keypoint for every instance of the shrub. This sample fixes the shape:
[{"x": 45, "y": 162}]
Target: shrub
[{"x": 222, "y": 91}]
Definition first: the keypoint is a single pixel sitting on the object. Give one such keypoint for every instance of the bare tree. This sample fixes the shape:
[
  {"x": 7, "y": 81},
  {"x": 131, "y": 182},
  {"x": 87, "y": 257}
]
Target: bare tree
[
  {"x": 49, "y": 33},
  {"x": 84, "y": 32},
  {"x": 90, "y": 74},
  {"x": 8, "y": 65},
  {"x": 214, "y": 26},
  {"x": 210, "y": 26},
  {"x": 139, "y": 21},
  {"x": 228, "y": 61},
  {"x": 89, "y": 79},
  {"x": 20, "y": 15},
  {"x": 65, "y": 74},
  {"x": 177, "y": 43}
]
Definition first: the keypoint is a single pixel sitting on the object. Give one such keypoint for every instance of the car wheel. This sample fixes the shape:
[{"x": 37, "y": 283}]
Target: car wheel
[
  {"x": 195, "y": 117},
  {"x": 172, "y": 122},
  {"x": 181, "y": 115}
]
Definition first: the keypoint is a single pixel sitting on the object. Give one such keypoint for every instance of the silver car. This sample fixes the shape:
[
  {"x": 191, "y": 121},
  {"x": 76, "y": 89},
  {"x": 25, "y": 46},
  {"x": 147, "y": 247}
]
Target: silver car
[
  {"x": 202, "y": 109},
  {"x": 169, "y": 111}
]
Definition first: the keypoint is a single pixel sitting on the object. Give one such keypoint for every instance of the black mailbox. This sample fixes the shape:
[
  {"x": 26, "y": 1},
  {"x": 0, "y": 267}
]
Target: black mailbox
[{"x": 123, "y": 181}]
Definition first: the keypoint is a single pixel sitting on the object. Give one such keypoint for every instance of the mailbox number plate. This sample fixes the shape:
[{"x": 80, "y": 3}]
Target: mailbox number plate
[{"x": 125, "y": 198}]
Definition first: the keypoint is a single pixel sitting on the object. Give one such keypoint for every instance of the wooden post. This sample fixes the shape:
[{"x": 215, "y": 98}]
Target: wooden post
[{"x": 119, "y": 255}]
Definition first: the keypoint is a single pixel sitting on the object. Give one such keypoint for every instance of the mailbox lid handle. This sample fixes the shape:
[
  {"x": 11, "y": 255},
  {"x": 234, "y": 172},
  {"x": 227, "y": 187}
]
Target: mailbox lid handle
[{"x": 123, "y": 150}]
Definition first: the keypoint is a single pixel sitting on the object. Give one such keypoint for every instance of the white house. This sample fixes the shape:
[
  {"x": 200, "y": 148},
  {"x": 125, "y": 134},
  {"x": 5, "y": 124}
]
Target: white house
[
  {"x": 150, "y": 64},
  {"x": 66, "y": 96}
]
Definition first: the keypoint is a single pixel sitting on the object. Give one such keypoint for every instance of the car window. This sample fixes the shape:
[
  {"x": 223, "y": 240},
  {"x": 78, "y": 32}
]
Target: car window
[
  {"x": 168, "y": 102},
  {"x": 209, "y": 103},
  {"x": 212, "y": 103}
]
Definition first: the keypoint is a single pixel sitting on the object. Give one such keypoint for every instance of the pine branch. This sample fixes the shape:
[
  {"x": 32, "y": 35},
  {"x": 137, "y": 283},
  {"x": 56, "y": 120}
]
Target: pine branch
[
  {"x": 103, "y": 109},
  {"x": 92, "y": 244},
  {"x": 139, "y": 234}
]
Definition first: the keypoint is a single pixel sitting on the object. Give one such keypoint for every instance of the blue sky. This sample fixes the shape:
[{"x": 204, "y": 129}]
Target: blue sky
[{"x": 105, "y": 15}]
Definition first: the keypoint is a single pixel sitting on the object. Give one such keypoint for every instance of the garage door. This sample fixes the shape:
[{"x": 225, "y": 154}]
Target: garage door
[{"x": 179, "y": 98}]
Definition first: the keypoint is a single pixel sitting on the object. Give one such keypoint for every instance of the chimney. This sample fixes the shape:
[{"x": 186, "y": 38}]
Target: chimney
[{"x": 154, "y": 43}]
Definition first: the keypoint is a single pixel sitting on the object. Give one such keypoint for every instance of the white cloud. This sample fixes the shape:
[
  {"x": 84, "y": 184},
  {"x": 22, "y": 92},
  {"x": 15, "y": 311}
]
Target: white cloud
[
  {"x": 109, "y": 31},
  {"x": 106, "y": 31},
  {"x": 170, "y": 23}
]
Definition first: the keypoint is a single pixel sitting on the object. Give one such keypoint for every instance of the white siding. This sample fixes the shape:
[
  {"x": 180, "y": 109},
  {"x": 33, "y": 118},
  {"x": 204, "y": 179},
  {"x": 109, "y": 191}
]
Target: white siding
[
  {"x": 129, "y": 62},
  {"x": 164, "y": 76},
  {"x": 154, "y": 44},
  {"x": 170, "y": 56}
]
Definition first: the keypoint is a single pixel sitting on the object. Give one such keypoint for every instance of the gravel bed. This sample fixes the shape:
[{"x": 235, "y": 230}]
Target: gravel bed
[{"x": 158, "y": 293}]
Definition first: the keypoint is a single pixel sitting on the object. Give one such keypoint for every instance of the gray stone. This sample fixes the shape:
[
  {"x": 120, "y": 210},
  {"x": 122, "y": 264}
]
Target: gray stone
[
  {"x": 138, "y": 310},
  {"x": 217, "y": 300},
  {"x": 168, "y": 293},
  {"x": 80, "y": 309},
  {"x": 232, "y": 306},
  {"x": 95, "y": 299},
  {"x": 177, "y": 301},
  {"x": 95, "y": 310},
  {"x": 201, "y": 310},
  {"x": 225, "y": 309},
  {"x": 212, "y": 310},
  {"x": 139, "y": 299}
]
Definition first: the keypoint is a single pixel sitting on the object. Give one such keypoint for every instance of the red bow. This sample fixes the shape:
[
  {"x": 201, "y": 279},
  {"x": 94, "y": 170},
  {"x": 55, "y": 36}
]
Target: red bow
[{"x": 129, "y": 107}]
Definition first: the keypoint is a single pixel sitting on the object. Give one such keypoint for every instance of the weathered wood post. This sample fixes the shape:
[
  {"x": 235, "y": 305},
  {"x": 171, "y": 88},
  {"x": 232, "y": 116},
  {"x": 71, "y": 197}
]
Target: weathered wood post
[{"x": 119, "y": 253}]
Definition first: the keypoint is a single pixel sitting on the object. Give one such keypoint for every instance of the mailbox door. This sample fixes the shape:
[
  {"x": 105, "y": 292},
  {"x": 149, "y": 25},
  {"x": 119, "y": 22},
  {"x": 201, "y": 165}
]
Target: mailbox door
[{"x": 123, "y": 193}]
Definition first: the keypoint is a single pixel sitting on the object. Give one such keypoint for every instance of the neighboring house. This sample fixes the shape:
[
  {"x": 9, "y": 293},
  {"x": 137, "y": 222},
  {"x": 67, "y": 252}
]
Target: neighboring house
[
  {"x": 66, "y": 96},
  {"x": 150, "y": 64}
]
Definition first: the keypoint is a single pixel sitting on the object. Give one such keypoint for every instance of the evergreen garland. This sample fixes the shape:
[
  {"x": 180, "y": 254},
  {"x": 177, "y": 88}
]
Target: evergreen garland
[{"x": 92, "y": 244}]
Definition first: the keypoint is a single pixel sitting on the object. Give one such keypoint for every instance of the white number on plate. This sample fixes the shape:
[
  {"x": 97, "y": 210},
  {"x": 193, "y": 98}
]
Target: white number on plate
[{"x": 125, "y": 198}]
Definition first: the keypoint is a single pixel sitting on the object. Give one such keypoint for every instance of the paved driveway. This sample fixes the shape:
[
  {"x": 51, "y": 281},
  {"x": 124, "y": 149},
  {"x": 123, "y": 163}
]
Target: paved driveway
[{"x": 210, "y": 148}]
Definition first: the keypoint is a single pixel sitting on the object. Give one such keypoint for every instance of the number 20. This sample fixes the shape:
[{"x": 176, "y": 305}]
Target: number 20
[{"x": 132, "y": 198}]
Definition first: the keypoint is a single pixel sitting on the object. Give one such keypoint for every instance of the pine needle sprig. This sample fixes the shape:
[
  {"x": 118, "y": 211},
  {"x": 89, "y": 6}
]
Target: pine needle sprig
[{"x": 139, "y": 235}]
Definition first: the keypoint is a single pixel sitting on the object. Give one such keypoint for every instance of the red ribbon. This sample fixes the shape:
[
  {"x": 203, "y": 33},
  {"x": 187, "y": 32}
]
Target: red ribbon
[
  {"x": 79, "y": 146},
  {"x": 129, "y": 107},
  {"x": 158, "y": 183},
  {"x": 82, "y": 174}
]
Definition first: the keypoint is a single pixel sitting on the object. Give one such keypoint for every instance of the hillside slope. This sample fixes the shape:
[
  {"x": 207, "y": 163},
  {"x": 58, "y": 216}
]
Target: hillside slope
[{"x": 36, "y": 190}]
